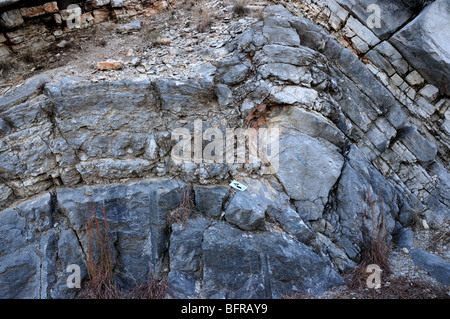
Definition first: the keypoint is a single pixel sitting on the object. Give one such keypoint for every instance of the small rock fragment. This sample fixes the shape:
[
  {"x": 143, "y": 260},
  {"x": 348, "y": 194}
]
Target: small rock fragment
[
  {"x": 162, "y": 41},
  {"x": 109, "y": 65}
]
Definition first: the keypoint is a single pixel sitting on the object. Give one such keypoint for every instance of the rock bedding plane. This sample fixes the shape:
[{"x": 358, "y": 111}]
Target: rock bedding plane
[{"x": 364, "y": 137}]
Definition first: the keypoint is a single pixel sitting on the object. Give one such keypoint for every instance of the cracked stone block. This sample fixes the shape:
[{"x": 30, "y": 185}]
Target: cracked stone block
[
  {"x": 414, "y": 78},
  {"x": 348, "y": 33},
  {"x": 360, "y": 45},
  {"x": 411, "y": 93},
  {"x": 10, "y": 19},
  {"x": 381, "y": 62},
  {"x": 396, "y": 80},
  {"x": 394, "y": 57},
  {"x": 224, "y": 94},
  {"x": 294, "y": 94},
  {"x": 337, "y": 10},
  {"x": 425, "y": 106},
  {"x": 394, "y": 13},
  {"x": 210, "y": 199},
  {"x": 378, "y": 138},
  {"x": 430, "y": 92},
  {"x": 424, "y": 150},
  {"x": 363, "y": 32},
  {"x": 280, "y": 32}
]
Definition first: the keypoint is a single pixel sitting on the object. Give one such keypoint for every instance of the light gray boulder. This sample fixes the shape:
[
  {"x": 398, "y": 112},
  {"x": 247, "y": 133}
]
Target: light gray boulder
[
  {"x": 308, "y": 169},
  {"x": 130, "y": 27},
  {"x": 10, "y": 19},
  {"x": 247, "y": 209}
]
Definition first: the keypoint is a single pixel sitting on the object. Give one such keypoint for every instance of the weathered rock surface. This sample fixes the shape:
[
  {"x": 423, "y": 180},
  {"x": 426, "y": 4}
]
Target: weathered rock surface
[
  {"x": 247, "y": 209},
  {"x": 350, "y": 160},
  {"x": 365, "y": 203},
  {"x": 50, "y": 232},
  {"x": 210, "y": 200},
  {"x": 393, "y": 14},
  {"x": 423, "y": 44},
  {"x": 260, "y": 265},
  {"x": 436, "y": 266}
]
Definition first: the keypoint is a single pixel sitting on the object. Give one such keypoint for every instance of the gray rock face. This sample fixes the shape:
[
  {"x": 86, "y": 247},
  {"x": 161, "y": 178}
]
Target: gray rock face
[
  {"x": 136, "y": 216},
  {"x": 278, "y": 31},
  {"x": 420, "y": 147},
  {"x": 436, "y": 266},
  {"x": 247, "y": 209},
  {"x": 178, "y": 96},
  {"x": 257, "y": 266},
  {"x": 308, "y": 169},
  {"x": 185, "y": 255},
  {"x": 10, "y": 19},
  {"x": 355, "y": 221},
  {"x": 27, "y": 244},
  {"x": 423, "y": 44},
  {"x": 295, "y": 228},
  {"x": 439, "y": 198},
  {"x": 210, "y": 200},
  {"x": 393, "y": 14},
  {"x": 41, "y": 237},
  {"x": 4, "y": 3},
  {"x": 405, "y": 238}
]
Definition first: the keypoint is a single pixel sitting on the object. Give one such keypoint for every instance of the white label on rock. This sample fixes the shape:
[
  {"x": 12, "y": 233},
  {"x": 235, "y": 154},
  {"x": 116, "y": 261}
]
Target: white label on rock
[{"x": 238, "y": 186}]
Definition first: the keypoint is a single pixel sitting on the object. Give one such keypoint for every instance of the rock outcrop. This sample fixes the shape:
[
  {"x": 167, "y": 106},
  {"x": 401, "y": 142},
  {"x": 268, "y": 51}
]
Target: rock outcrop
[{"x": 350, "y": 156}]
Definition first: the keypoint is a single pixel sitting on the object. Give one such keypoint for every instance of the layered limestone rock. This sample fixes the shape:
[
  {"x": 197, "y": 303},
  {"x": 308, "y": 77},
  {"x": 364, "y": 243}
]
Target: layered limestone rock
[{"x": 350, "y": 156}]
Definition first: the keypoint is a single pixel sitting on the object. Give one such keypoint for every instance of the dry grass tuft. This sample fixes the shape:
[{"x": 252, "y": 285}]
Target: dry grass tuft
[
  {"x": 6, "y": 67},
  {"x": 239, "y": 7},
  {"x": 101, "y": 283},
  {"x": 405, "y": 288},
  {"x": 41, "y": 86},
  {"x": 181, "y": 214},
  {"x": 441, "y": 237},
  {"x": 155, "y": 289},
  {"x": 376, "y": 251},
  {"x": 28, "y": 56},
  {"x": 202, "y": 17}
]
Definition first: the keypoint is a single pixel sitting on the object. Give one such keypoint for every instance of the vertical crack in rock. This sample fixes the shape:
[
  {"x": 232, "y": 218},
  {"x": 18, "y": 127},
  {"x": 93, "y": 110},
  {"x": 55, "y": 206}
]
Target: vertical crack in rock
[{"x": 157, "y": 94}]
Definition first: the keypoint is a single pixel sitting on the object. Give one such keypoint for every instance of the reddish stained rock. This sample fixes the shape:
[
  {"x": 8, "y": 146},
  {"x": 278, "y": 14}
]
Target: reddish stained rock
[{"x": 109, "y": 65}]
